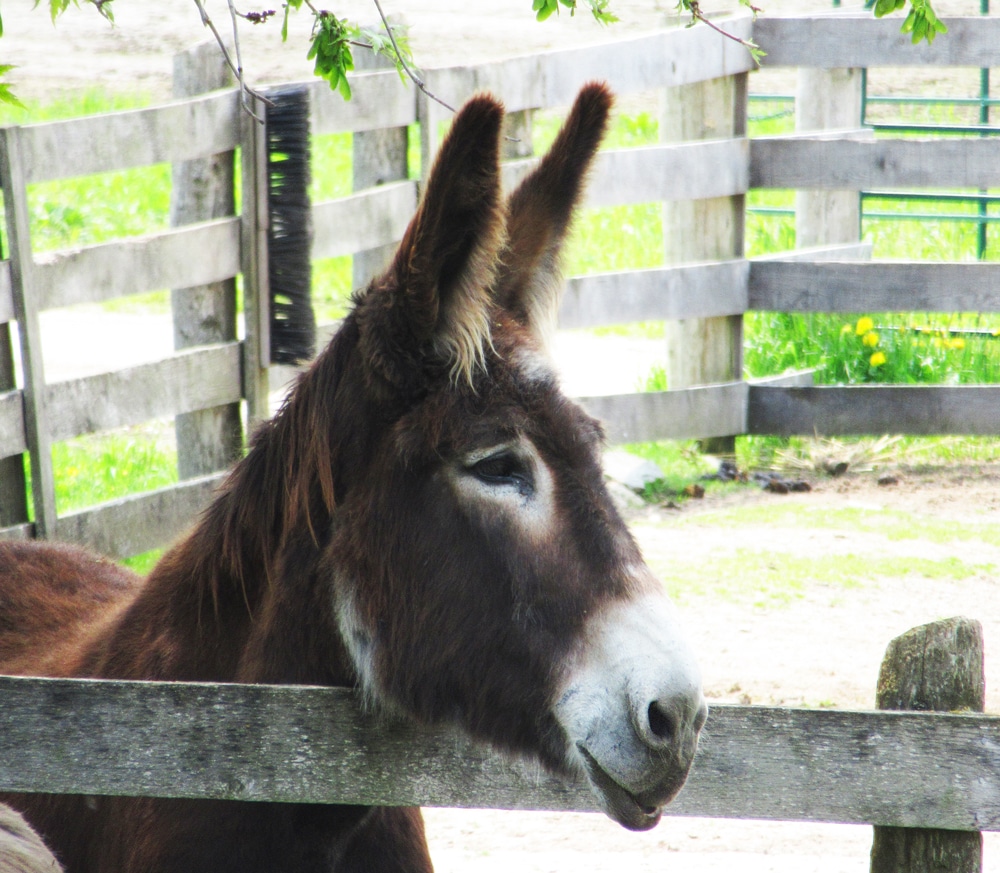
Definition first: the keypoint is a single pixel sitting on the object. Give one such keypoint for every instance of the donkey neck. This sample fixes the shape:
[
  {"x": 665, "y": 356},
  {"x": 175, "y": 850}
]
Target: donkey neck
[{"x": 240, "y": 598}]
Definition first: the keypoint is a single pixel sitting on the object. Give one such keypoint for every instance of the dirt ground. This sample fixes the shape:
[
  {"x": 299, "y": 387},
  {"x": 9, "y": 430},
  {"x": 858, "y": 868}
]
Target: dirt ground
[{"x": 821, "y": 648}]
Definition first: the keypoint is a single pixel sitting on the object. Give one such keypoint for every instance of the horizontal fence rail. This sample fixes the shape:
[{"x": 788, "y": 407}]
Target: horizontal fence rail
[{"x": 316, "y": 745}]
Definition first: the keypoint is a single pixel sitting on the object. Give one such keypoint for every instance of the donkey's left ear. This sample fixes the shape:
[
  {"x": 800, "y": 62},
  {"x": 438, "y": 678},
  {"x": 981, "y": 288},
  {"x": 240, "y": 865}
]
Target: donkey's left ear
[
  {"x": 432, "y": 306},
  {"x": 529, "y": 281}
]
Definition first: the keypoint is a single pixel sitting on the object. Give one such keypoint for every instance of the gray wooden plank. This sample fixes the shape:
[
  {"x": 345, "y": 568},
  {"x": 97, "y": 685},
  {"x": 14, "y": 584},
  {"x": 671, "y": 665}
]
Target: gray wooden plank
[
  {"x": 689, "y": 291},
  {"x": 187, "y": 381},
  {"x": 318, "y": 745},
  {"x": 25, "y": 292},
  {"x": 6, "y": 293},
  {"x": 852, "y": 164},
  {"x": 140, "y": 522},
  {"x": 195, "y": 254},
  {"x": 873, "y": 286},
  {"x": 689, "y": 171},
  {"x": 875, "y": 410},
  {"x": 177, "y": 131},
  {"x": 852, "y": 251},
  {"x": 18, "y": 532},
  {"x": 375, "y": 217},
  {"x": 709, "y": 411},
  {"x": 378, "y": 100},
  {"x": 676, "y": 56},
  {"x": 12, "y": 437},
  {"x": 854, "y": 39}
]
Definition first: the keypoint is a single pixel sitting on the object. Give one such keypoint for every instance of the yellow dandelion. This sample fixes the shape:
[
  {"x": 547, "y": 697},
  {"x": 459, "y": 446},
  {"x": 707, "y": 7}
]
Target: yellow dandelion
[
  {"x": 847, "y": 328},
  {"x": 870, "y": 339},
  {"x": 957, "y": 344},
  {"x": 878, "y": 359},
  {"x": 865, "y": 324}
]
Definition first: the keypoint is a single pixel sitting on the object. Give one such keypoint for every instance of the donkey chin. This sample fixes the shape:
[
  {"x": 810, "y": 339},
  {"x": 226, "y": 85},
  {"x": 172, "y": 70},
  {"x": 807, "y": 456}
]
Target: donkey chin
[{"x": 632, "y": 707}]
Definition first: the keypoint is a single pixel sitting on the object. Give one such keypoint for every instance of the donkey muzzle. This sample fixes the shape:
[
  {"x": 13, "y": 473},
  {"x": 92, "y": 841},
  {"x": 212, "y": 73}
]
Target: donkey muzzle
[{"x": 632, "y": 708}]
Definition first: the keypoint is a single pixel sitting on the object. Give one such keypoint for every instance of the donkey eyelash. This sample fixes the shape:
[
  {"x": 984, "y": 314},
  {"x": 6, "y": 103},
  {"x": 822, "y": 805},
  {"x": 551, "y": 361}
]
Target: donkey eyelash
[{"x": 504, "y": 467}]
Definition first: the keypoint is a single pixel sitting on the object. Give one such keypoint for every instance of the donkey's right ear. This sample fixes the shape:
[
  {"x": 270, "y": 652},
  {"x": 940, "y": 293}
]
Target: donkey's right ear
[
  {"x": 431, "y": 309},
  {"x": 529, "y": 282}
]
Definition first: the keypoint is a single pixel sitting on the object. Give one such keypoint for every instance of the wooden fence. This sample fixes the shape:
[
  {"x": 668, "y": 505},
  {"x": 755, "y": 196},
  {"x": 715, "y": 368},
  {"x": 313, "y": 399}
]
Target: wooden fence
[
  {"x": 906, "y": 769},
  {"x": 713, "y": 291}
]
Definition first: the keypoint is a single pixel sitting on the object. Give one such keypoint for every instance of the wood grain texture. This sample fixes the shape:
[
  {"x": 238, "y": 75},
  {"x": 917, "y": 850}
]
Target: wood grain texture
[
  {"x": 377, "y": 101},
  {"x": 316, "y": 745},
  {"x": 874, "y": 410},
  {"x": 551, "y": 79},
  {"x": 864, "y": 164},
  {"x": 135, "y": 524},
  {"x": 854, "y": 39},
  {"x": 179, "y": 131},
  {"x": 6, "y": 293},
  {"x": 375, "y": 217},
  {"x": 874, "y": 286},
  {"x": 934, "y": 667},
  {"x": 687, "y": 171},
  {"x": 187, "y": 381},
  {"x": 12, "y": 438},
  {"x": 688, "y": 291},
  {"x": 193, "y": 255},
  {"x": 688, "y": 413}
]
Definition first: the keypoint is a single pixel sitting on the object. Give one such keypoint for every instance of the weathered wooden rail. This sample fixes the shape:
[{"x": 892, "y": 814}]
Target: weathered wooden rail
[{"x": 905, "y": 769}]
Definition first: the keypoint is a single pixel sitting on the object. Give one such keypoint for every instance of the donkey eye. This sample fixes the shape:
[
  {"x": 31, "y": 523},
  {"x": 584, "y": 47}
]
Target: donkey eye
[{"x": 504, "y": 468}]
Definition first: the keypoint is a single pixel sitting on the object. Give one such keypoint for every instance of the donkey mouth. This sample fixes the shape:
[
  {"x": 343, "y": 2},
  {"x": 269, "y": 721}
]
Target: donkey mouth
[{"x": 629, "y": 810}]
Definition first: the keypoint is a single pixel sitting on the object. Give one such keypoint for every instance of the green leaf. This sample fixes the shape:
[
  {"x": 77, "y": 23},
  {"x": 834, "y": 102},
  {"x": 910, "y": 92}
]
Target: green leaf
[
  {"x": 7, "y": 96},
  {"x": 884, "y": 7}
]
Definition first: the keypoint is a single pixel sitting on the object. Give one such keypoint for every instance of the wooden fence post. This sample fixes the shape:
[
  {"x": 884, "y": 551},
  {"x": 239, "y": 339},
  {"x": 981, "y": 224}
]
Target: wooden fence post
[
  {"x": 210, "y": 439},
  {"x": 937, "y": 666},
  {"x": 24, "y": 284},
  {"x": 380, "y": 156},
  {"x": 13, "y": 485},
  {"x": 825, "y": 100},
  {"x": 702, "y": 351}
]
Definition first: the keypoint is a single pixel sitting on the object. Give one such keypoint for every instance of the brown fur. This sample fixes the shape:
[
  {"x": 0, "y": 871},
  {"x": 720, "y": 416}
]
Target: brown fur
[{"x": 346, "y": 505}]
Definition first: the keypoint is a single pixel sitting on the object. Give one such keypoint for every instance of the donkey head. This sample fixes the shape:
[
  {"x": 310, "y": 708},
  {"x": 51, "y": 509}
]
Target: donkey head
[{"x": 481, "y": 574}]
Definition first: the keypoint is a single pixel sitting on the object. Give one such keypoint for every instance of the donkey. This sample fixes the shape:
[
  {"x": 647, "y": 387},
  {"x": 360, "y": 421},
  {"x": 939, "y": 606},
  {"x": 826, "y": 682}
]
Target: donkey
[{"x": 426, "y": 520}]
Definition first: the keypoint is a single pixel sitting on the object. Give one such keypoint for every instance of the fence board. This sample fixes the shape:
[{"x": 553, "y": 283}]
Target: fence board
[
  {"x": 689, "y": 291},
  {"x": 689, "y": 413},
  {"x": 551, "y": 79},
  {"x": 858, "y": 40},
  {"x": 140, "y": 522},
  {"x": 187, "y": 381},
  {"x": 874, "y": 286},
  {"x": 372, "y": 218},
  {"x": 378, "y": 100},
  {"x": 12, "y": 439},
  {"x": 180, "y": 131},
  {"x": 316, "y": 745},
  {"x": 874, "y": 410},
  {"x": 6, "y": 293},
  {"x": 689, "y": 171},
  {"x": 851, "y": 164},
  {"x": 196, "y": 254}
]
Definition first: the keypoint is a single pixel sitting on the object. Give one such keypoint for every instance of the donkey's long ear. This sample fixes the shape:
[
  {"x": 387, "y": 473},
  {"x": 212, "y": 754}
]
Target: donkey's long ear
[
  {"x": 432, "y": 306},
  {"x": 539, "y": 212}
]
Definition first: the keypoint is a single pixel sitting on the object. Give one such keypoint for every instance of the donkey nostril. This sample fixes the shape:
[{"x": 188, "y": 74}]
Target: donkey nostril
[{"x": 661, "y": 724}]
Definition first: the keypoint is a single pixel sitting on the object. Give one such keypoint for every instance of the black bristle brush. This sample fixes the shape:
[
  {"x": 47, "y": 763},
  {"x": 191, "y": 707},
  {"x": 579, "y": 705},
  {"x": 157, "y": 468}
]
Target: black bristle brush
[{"x": 293, "y": 322}]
